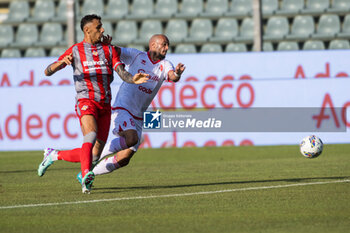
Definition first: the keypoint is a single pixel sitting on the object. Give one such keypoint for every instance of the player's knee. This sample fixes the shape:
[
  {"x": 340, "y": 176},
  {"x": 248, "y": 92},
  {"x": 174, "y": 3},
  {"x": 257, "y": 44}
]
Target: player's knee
[{"x": 132, "y": 139}]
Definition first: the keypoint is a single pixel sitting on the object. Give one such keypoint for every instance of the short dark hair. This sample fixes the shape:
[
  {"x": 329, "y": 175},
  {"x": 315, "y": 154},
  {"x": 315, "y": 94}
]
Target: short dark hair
[{"x": 87, "y": 19}]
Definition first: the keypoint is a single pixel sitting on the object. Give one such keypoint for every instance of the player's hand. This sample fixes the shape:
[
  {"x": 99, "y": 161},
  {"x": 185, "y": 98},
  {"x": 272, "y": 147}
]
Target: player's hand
[
  {"x": 68, "y": 59},
  {"x": 180, "y": 68},
  {"x": 140, "y": 78},
  {"x": 106, "y": 39}
]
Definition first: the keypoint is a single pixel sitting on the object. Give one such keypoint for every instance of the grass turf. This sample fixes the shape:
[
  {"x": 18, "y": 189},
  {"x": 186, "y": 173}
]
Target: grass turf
[{"x": 313, "y": 208}]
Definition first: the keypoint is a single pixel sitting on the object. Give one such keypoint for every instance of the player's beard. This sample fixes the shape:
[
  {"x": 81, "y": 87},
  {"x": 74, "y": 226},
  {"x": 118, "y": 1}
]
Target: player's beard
[{"x": 161, "y": 56}]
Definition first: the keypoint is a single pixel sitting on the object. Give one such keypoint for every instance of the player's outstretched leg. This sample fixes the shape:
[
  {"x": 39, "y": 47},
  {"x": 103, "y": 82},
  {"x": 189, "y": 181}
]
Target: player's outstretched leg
[
  {"x": 110, "y": 148},
  {"x": 87, "y": 182},
  {"x": 50, "y": 155}
]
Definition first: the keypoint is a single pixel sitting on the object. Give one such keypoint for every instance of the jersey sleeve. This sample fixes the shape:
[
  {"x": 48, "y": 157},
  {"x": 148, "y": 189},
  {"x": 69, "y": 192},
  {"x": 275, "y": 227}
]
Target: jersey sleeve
[
  {"x": 128, "y": 54},
  {"x": 168, "y": 66},
  {"x": 115, "y": 59},
  {"x": 68, "y": 51}
]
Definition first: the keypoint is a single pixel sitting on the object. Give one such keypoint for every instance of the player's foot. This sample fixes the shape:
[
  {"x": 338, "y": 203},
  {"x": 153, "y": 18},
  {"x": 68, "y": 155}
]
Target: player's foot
[
  {"x": 87, "y": 182},
  {"x": 79, "y": 175},
  {"x": 47, "y": 161}
]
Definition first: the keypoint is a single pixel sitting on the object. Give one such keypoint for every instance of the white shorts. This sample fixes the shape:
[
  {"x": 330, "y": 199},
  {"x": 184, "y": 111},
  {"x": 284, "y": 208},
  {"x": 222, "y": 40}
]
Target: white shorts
[{"x": 122, "y": 120}]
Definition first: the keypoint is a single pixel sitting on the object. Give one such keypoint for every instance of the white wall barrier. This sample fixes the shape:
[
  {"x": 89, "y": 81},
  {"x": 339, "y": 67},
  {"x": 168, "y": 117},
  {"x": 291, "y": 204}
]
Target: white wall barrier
[
  {"x": 202, "y": 67},
  {"x": 35, "y": 117},
  {"x": 37, "y": 112}
]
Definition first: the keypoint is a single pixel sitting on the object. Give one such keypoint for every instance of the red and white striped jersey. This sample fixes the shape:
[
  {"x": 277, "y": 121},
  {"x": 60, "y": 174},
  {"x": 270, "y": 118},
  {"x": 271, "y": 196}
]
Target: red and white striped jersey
[{"x": 93, "y": 70}]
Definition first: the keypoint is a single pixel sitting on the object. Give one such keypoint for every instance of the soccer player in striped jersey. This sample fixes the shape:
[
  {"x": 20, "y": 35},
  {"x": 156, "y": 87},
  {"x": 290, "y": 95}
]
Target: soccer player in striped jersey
[
  {"x": 127, "y": 116},
  {"x": 93, "y": 64}
]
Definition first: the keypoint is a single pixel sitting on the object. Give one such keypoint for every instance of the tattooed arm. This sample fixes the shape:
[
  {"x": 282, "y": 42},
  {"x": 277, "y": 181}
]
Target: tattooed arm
[
  {"x": 56, "y": 66},
  {"x": 127, "y": 77}
]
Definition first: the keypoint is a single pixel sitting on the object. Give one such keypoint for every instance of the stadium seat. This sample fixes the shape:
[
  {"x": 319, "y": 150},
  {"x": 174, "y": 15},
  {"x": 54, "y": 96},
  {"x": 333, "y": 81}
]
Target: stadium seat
[
  {"x": 176, "y": 30},
  {"x": 236, "y": 47},
  {"x": 267, "y": 47},
  {"x": 190, "y": 8},
  {"x": 148, "y": 28},
  {"x": 92, "y": 7},
  {"x": 44, "y": 10},
  {"x": 64, "y": 41},
  {"x": 6, "y": 35},
  {"x": 291, "y": 7},
  {"x": 240, "y": 8},
  {"x": 269, "y": 7},
  {"x": 165, "y": 9},
  {"x": 201, "y": 30},
  {"x": 125, "y": 32},
  {"x": 246, "y": 31},
  {"x": 116, "y": 9},
  {"x": 141, "y": 9},
  {"x": 18, "y": 11},
  {"x": 328, "y": 26},
  {"x": 226, "y": 30},
  {"x": 185, "y": 48},
  {"x": 108, "y": 28},
  {"x": 287, "y": 46},
  {"x": 35, "y": 52},
  {"x": 211, "y": 48},
  {"x": 303, "y": 27},
  {"x": 345, "y": 32},
  {"x": 316, "y": 6},
  {"x": 10, "y": 53},
  {"x": 61, "y": 11},
  {"x": 135, "y": 46},
  {"x": 339, "y": 6},
  {"x": 277, "y": 28},
  {"x": 215, "y": 8},
  {"x": 27, "y": 34},
  {"x": 57, "y": 51},
  {"x": 51, "y": 34},
  {"x": 339, "y": 44},
  {"x": 314, "y": 45}
]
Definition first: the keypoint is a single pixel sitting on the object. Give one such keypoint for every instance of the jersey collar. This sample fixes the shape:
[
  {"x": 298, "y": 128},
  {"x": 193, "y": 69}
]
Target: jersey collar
[{"x": 149, "y": 57}]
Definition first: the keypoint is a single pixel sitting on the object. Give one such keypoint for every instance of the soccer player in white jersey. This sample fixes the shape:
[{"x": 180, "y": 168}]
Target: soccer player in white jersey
[{"x": 132, "y": 100}]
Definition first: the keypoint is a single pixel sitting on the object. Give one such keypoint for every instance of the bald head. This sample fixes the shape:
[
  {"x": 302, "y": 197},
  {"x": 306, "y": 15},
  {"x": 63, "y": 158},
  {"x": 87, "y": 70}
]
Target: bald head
[
  {"x": 157, "y": 38},
  {"x": 158, "y": 46}
]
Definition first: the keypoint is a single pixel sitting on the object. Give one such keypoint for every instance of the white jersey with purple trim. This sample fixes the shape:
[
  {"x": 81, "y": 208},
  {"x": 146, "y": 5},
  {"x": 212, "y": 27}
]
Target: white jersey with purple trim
[{"x": 136, "y": 98}]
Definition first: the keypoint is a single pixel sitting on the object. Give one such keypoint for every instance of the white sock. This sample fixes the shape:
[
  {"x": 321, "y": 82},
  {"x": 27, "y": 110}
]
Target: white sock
[
  {"x": 54, "y": 155},
  {"x": 106, "y": 166},
  {"x": 117, "y": 144}
]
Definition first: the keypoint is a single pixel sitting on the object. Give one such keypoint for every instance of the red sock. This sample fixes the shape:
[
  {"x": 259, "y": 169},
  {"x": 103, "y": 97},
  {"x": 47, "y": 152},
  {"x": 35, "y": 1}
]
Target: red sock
[
  {"x": 70, "y": 155},
  {"x": 86, "y": 158}
]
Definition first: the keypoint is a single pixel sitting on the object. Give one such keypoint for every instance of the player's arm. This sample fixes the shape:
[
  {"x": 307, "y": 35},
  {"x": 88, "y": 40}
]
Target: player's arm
[
  {"x": 125, "y": 75},
  {"x": 56, "y": 66},
  {"x": 175, "y": 75},
  {"x": 129, "y": 78}
]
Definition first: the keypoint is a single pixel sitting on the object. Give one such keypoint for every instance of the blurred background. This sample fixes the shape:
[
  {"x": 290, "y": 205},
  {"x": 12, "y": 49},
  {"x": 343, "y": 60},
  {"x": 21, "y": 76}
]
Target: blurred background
[{"x": 37, "y": 28}]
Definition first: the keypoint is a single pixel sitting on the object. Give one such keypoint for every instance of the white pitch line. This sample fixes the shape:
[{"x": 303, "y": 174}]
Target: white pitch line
[{"x": 173, "y": 195}]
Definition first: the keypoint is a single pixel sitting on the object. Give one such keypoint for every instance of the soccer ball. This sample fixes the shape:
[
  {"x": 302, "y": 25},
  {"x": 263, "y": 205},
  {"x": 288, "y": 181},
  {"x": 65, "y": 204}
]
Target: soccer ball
[{"x": 311, "y": 146}]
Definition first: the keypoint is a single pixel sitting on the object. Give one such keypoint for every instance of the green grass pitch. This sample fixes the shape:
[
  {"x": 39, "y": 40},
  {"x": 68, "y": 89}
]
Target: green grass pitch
[{"x": 268, "y": 189}]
